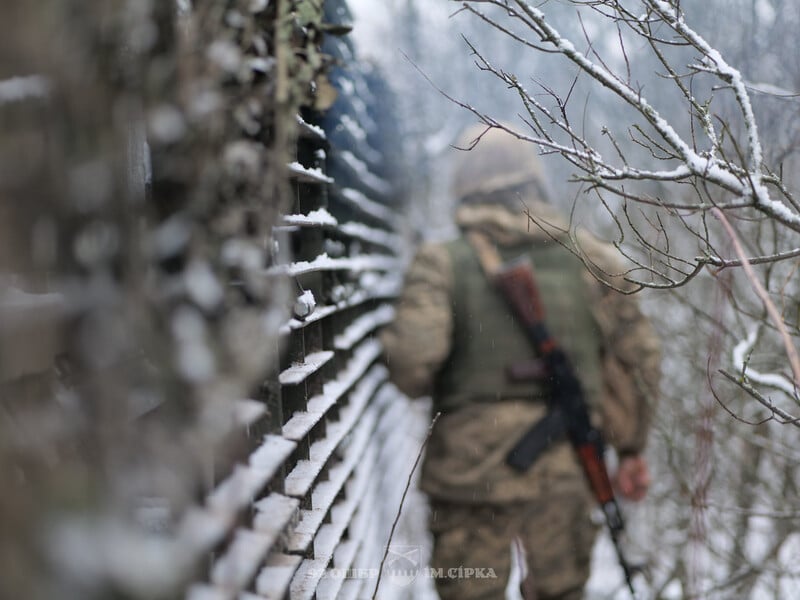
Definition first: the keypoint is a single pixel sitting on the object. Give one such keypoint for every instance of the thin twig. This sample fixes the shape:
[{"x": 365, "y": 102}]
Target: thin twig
[
  {"x": 725, "y": 406},
  {"x": 786, "y": 418},
  {"x": 753, "y": 260},
  {"x": 403, "y": 500}
]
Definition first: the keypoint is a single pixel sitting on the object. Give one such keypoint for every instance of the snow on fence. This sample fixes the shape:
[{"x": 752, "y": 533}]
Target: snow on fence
[
  {"x": 193, "y": 403},
  {"x": 331, "y": 442}
]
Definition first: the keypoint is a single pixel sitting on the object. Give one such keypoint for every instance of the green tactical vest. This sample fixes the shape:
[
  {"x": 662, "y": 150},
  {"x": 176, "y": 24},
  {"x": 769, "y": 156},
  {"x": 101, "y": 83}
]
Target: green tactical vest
[{"x": 487, "y": 337}]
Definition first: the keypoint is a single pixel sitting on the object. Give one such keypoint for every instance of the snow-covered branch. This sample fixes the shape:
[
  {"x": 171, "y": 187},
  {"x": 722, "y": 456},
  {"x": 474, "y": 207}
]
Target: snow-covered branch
[{"x": 743, "y": 180}]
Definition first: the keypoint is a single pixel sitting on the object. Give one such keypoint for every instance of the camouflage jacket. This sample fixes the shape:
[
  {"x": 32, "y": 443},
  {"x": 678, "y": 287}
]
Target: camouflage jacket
[{"x": 465, "y": 456}]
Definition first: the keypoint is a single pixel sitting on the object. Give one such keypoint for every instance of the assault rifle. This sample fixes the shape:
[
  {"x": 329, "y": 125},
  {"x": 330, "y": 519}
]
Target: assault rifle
[{"x": 568, "y": 412}]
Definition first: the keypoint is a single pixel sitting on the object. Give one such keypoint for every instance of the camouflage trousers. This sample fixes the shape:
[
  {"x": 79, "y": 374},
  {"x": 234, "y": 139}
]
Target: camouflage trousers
[{"x": 557, "y": 534}]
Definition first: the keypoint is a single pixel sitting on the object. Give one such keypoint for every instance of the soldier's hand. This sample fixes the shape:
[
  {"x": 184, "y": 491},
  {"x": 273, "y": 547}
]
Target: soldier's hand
[{"x": 633, "y": 477}]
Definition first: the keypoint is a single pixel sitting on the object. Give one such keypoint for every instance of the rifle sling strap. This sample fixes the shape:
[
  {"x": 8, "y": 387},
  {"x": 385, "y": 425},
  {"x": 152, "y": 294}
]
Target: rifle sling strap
[
  {"x": 492, "y": 265},
  {"x": 487, "y": 254}
]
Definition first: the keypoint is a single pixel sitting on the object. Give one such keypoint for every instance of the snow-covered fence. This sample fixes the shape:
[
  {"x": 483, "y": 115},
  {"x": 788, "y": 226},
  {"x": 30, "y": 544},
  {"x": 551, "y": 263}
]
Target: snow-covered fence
[
  {"x": 307, "y": 509},
  {"x": 313, "y": 501},
  {"x": 192, "y": 398}
]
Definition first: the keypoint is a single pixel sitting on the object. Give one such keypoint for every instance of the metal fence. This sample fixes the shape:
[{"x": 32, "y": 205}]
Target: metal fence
[
  {"x": 299, "y": 484},
  {"x": 313, "y": 500}
]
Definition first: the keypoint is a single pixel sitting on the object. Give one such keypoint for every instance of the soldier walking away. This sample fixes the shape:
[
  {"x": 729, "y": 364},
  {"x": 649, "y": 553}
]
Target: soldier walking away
[{"x": 457, "y": 338}]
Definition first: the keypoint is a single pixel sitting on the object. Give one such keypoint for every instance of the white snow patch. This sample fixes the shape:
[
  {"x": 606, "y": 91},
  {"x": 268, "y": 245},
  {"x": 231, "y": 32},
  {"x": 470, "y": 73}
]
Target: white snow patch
[
  {"x": 202, "y": 285},
  {"x": 308, "y": 174},
  {"x": 226, "y": 55},
  {"x": 304, "y": 305},
  {"x": 314, "y": 129},
  {"x": 363, "y": 325},
  {"x": 166, "y": 124},
  {"x": 171, "y": 237},
  {"x": 241, "y": 253},
  {"x": 195, "y": 360},
  {"x": 318, "y": 217},
  {"x": 256, "y": 6},
  {"x": 370, "y": 207},
  {"x": 354, "y": 128},
  {"x": 23, "y": 88},
  {"x": 373, "y": 235},
  {"x": 323, "y": 262},
  {"x": 261, "y": 65},
  {"x": 364, "y": 174},
  {"x": 739, "y": 358},
  {"x": 12, "y": 298}
]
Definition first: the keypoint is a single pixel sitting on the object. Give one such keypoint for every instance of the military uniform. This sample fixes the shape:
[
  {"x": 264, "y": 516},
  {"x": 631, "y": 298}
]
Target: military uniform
[{"x": 453, "y": 337}]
